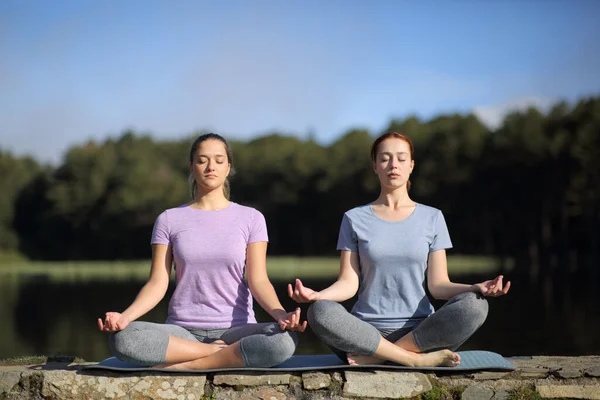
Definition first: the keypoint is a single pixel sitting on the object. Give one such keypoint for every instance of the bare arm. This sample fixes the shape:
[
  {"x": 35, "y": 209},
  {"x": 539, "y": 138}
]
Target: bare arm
[
  {"x": 263, "y": 291},
  {"x": 158, "y": 283},
  {"x": 438, "y": 282},
  {"x": 258, "y": 280},
  {"x": 442, "y": 288},
  {"x": 150, "y": 294},
  {"x": 342, "y": 289}
]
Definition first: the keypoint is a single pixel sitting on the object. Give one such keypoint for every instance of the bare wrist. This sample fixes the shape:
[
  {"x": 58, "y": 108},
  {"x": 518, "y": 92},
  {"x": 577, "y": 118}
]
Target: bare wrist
[{"x": 278, "y": 314}]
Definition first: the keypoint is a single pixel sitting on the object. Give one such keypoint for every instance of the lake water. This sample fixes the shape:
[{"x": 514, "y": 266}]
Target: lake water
[{"x": 39, "y": 317}]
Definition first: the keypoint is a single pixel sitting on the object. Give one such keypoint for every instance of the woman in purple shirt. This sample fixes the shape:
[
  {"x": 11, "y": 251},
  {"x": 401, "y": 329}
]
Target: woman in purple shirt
[{"x": 210, "y": 241}]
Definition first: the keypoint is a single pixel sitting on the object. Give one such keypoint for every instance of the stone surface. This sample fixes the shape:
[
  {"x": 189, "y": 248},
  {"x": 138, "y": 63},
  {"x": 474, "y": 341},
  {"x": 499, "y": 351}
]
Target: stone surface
[
  {"x": 553, "y": 363},
  {"x": 569, "y": 373},
  {"x": 550, "y": 391},
  {"x": 501, "y": 395},
  {"x": 489, "y": 376},
  {"x": 561, "y": 377},
  {"x": 264, "y": 393},
  {"x": 251, "y": 380},
  {"x": 592, "y": 371},
  {"x": 315, "y": 380},
  {"x": 270, "y": 394},
  {"x": 477, "y": 392},
  {"x": 69, "y": 385},
  {"x": 534, "y": 373},
  {"x": 8, "y": 379},
  {"x": 380, "y": 384},
  {"x": 337, "y": 377}
]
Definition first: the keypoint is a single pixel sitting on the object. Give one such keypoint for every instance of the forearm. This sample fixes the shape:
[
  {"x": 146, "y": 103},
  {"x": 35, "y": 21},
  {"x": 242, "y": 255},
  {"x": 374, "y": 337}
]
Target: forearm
[
  {"x": 265, "y": 295},
  {"x": 339, "y": 291},
  {"x": 148, "y": 297},
  {"x": 446, "y": 290}
]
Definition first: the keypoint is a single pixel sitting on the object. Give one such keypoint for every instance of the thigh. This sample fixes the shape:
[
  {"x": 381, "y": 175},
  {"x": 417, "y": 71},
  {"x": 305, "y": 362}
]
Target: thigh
[
  {"x": 169, "y": 329},
  {"x": 341, "y": 330},
  {"x": 235, "y": 333},
  {"x": 452, "y": 324}
]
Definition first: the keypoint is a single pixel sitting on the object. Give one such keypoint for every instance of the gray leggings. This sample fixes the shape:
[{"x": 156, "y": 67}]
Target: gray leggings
[
  {"x": 261, "y": 345},
  {"x": 447, "y": 328}
]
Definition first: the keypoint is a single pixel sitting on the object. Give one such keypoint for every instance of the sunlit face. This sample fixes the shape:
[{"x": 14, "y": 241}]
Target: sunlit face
[
  {"x": 210, "y": 166},
  {"x": 393, "y": 164}
]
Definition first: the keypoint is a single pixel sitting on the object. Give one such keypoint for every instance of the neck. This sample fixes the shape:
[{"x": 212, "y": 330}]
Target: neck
[
  {"x": 212, "y": 200},
  {"x": 394, "y": 198}
]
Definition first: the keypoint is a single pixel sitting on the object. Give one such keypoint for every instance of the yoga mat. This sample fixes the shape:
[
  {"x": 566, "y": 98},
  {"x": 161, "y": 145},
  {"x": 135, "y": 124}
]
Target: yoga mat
[{"x": 474, "y": 360}]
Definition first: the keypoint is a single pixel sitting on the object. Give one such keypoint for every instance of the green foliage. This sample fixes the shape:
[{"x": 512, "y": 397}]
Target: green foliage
[
  {"x": 528, "y": 192},
  {"x": 15, "y": 174}
]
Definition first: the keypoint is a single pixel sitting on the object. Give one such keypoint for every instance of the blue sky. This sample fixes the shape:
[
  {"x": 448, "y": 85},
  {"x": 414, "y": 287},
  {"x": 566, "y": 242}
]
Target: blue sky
[{"x": 71, "y": 71}]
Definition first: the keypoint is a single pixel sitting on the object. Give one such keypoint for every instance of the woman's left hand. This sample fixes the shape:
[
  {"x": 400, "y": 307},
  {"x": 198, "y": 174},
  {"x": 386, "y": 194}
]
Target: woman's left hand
[
  {"x": 291, "y": 321},
  {"x": 493, "y": 288}
]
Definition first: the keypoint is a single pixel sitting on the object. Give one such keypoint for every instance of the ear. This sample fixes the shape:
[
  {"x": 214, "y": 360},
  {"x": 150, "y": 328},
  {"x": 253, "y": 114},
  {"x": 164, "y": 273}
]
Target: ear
[
  {"x": 228, "y": 169},
  {"x": 375, "y": 167},
  {"x": 412, "y": 165}
]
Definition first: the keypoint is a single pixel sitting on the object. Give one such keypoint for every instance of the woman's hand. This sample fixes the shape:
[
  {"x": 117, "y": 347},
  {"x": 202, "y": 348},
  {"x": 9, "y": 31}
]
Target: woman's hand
[
  {"x": 113, "y": 322},
  {"x": 291, "y": 321},
  {"x": 493, "y": 288},
  {"x": 302, "y": 294}
]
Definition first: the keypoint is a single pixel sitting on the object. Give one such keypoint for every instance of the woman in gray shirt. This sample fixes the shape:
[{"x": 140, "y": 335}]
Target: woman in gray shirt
[{"x": 390, "y": 246}]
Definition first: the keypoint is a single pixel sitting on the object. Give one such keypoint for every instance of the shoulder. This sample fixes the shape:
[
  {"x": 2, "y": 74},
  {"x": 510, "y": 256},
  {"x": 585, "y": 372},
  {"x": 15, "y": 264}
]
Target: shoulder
[
  {"x": 176, "y": 211},
  {"x": 428, "y": 210},
  {"x": 246, "y": 213},
  {"x": 429, "y": 214},
  {"x": 244, "y": 210},
  {"x": 358, "y": 212}
]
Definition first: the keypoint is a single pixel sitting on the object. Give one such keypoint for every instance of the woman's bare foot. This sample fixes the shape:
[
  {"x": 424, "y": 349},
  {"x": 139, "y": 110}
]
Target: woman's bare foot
[
  {"x": 441, "y": 358},
  {"x": 357, "y": 359}
]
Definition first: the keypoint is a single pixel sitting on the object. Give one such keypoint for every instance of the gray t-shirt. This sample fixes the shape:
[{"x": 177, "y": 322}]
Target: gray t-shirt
[{"x": 393, "y": 260}]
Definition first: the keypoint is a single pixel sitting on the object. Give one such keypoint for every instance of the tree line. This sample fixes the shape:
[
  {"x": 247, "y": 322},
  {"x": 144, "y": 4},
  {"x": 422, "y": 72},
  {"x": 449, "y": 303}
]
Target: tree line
[{"x": 528, "y": 191}]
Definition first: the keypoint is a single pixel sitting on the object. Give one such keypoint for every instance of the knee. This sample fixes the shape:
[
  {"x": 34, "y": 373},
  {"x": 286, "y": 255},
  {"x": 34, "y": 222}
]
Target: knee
[
  {"x": 121, "y": 342},
  {"x": 476, "y": 308},
  {"x": 268, "y": 350},
  {"x": 320, "y": 313},
  {"x": 284, "y": 347}
]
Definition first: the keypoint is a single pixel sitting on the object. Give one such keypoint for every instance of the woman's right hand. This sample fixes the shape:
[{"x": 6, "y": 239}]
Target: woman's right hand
[
  {"x": 302, "y": 294},
  {"x": 113, "y": 322}
]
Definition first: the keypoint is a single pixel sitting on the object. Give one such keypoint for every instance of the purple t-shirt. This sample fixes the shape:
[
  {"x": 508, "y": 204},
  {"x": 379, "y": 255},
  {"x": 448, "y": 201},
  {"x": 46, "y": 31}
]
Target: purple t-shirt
[{"x": 209, "y": 252}]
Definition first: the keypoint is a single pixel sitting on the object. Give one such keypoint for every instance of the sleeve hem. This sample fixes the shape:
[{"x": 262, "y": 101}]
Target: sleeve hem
[
  {"x": 431, "y": 250},
  {"x": 347, "y": 249}
]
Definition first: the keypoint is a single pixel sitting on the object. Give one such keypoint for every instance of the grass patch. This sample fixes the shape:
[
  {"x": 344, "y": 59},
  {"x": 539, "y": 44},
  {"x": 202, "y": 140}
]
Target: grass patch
[
  {"x": 27, "y": 360},
  {"x": 31, "y": 360},
  {"x": 523, "y": 393},
  {"x": 279, "y": 268},
  {"x": 440, "y": 392}
]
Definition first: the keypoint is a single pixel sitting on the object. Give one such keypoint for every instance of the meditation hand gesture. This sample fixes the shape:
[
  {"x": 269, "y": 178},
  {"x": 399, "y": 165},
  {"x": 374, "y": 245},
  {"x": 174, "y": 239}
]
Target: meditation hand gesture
[
  {"x": 302, "y": 294},
  {"x": 291, "y": 321},
  {"x": 494, "y": 287},
  {"x": 113, "y": 322}
]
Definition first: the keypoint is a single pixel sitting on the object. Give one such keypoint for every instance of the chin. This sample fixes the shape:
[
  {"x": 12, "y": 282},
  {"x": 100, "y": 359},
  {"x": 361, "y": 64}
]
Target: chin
[{"x": 212, "y": 185}]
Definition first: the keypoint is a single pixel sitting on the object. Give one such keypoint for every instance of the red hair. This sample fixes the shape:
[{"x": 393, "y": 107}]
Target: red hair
[{"x": 392, "y": 135}]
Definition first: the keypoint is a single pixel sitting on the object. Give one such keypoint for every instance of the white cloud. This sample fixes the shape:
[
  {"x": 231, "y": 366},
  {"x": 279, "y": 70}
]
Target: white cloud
[{"x": 492, "y": 116}]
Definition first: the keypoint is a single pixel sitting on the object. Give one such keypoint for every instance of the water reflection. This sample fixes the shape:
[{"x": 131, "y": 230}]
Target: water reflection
[{"x": 43, "y": 317}]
